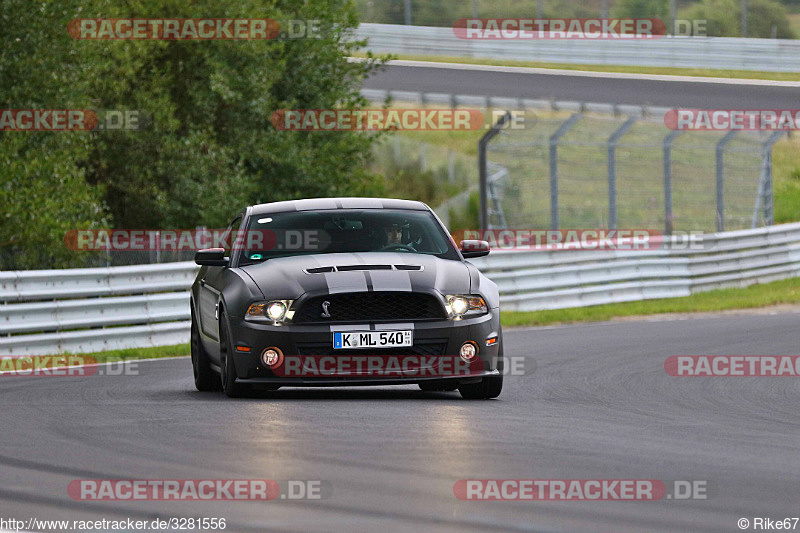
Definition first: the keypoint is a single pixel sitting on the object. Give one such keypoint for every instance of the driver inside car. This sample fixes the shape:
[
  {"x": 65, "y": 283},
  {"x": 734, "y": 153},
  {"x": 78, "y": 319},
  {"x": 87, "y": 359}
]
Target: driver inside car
[{"x": 394, "y": 237}]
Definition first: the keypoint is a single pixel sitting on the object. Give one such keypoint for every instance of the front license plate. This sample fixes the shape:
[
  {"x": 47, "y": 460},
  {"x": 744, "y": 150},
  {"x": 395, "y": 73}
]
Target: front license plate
[{"x": 372, "y": 339}]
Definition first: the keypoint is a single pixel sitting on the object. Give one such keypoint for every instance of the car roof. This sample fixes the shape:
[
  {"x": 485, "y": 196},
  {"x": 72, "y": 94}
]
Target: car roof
[{"x": 318, "y": 204}]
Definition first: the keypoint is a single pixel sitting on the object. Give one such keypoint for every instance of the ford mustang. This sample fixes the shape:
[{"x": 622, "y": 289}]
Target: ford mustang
[{"x": 344, "y": 291}]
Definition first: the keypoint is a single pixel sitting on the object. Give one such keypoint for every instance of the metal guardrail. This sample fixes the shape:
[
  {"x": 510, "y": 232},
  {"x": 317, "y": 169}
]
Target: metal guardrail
[
  {"x": 86, "y": 310},
  {"x": 536, "y": 280},
  {"x": 645, "y": 112},
  {"x": 94, "y": 309},
  {"x": 777, "y": 55}
]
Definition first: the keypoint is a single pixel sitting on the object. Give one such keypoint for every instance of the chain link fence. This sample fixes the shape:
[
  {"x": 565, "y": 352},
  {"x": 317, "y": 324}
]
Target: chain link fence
[
  {"x": 445, "y": 12},
  {"x": 442, "y": 177},
  {"x": 588, "y": 170}
]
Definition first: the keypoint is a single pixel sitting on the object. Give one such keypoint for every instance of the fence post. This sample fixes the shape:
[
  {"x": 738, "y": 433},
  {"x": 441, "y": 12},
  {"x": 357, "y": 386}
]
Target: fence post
[
  {"x": 554, "y": 138},
  {"x": 494, "y": 198},
  {"x": 668, "y": 220},
  {"x": 396, "y": 149},
  {"x": 721, "y": 178},
  {"x": 611, "y": 145},
  {"x": 765, "y": 182},
  {"x": 483, "y": 171},
  {"x": 451, "y": 166}
]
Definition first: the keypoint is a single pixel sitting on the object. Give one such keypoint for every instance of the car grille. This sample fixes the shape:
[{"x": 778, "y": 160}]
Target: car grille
[
  {"x": 421, "y": 348},
  {"x": 371, "y": 306}
]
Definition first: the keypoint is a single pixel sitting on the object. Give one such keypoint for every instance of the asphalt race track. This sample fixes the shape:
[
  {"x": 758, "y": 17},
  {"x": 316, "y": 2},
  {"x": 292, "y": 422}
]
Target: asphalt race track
[
  {"x": 597, "y": 87},
  {"x": 598, "y": 406}
]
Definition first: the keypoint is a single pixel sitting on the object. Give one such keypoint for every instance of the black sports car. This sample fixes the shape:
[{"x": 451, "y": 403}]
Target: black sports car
[{"x": 344, "y": 291}]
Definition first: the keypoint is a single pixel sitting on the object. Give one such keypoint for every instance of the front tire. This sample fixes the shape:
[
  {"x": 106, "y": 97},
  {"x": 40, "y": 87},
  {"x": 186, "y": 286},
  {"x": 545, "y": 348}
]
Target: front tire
[
  {"x": 228, "y": 376},
  {"x": 205, "y": 379},
  {"x": 487, "y": 388}
]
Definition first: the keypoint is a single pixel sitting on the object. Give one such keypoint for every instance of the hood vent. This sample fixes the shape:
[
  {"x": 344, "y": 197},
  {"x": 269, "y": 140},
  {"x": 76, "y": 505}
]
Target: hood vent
[
  {"x": 351, "y": 268},
  {"x": 319, "y": 270}
]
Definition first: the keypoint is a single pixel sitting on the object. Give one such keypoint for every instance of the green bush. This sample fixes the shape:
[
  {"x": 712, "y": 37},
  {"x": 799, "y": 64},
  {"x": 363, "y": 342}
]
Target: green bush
[
  {"x": 725, "y": 18},
  {"x": 641, "y": 9}
]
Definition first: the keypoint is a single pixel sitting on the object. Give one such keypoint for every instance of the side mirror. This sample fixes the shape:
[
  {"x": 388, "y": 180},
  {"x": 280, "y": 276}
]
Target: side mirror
[
  {"x": 211, "y": 257},
  {"x": 472, "y": 248}
]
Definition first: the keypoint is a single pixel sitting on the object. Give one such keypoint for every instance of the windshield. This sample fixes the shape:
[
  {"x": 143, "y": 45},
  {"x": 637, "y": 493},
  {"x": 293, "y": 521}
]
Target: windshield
[{"x": 343, "y": 231}]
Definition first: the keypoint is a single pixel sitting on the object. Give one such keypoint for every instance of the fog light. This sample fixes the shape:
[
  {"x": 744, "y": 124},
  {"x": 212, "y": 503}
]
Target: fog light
[
  {"x": 468, "y": 351},
  {"x": 272, "y": 357}
]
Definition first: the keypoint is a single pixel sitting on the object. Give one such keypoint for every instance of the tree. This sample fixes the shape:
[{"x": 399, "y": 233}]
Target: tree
[
  {"x": 212, "y": 148},
  {"x": 43, "y": 191},
  {"x": 208, "y": 148}
]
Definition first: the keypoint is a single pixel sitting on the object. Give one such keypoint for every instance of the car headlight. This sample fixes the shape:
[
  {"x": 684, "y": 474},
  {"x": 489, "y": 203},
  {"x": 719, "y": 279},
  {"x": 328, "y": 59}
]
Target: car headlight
[
  {"x": 459, "y": 305},
  {"x": 274, "y": 310}
]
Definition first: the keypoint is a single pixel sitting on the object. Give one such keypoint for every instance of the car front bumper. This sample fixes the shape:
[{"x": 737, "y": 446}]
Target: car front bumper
[{"x": 441, "y": 339}]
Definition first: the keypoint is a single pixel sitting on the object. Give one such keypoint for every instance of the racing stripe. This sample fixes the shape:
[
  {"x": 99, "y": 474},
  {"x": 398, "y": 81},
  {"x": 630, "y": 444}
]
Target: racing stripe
[
  {"x": 354, "y": 281},
  {"x": 368, "y": 279},
  {"x": 360, "y": 203},
  {"x": 313, "y": 204},
  {"x": 391, "y": 280}
]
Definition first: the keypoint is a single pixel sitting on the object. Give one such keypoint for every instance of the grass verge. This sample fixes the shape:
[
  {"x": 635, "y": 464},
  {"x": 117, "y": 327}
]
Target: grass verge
[
  {"x": 666, "y": 71},
  {"x": 760, "y": 295},
  {"x": 136, "y": 353}
]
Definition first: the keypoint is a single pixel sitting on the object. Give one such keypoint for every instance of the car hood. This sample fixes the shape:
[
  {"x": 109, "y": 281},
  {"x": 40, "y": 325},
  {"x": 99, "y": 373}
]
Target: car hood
[{"x": 291, "y": 277}]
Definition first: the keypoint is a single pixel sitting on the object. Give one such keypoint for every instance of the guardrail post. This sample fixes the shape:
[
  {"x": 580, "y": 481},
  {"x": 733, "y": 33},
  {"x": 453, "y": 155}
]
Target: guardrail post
[
  {"x": 554, "y": 138},
  {"x": 668, "y": 219},
  {"x": 483, "y": 171},
  {"x": 721, "y": 178},
  {"x": 611, "y": 145}
]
